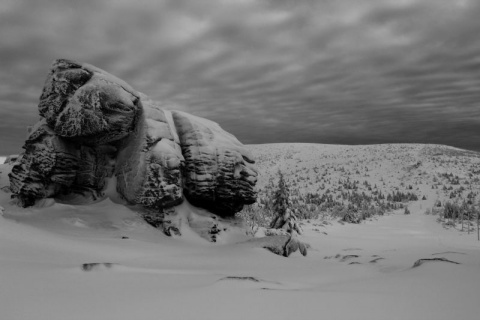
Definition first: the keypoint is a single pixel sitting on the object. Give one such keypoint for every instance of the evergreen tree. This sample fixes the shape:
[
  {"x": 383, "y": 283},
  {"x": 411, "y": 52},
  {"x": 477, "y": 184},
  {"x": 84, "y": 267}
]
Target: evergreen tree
[
  {"x": 281, "y": 198},
  {"x": 284, "y": 217}
]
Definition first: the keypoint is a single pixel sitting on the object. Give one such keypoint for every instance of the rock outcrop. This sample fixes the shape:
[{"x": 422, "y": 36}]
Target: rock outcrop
[
  {"x": 86, "y": 104},
  {"x": 95, "y": 127},
  {"x": 219, "y": 171},
  {"x": 48, "y": 166}
]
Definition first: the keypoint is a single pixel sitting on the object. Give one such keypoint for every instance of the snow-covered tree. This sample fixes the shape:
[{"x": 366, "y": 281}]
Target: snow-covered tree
[{"x": 284, "y": 216}]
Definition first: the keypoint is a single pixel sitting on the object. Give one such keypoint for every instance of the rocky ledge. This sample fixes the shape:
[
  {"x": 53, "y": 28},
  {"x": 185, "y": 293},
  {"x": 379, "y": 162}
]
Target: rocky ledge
[{"x": 95, "y": 128}]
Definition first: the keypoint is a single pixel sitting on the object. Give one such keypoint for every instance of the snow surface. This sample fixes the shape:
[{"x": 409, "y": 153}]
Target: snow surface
[
  {"x": 42, "y": 251},
  {"x": 360, "y": 271}
]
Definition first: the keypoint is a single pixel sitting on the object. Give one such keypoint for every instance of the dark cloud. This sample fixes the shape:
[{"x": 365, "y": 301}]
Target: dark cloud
[{"x": 353, "y": 71}]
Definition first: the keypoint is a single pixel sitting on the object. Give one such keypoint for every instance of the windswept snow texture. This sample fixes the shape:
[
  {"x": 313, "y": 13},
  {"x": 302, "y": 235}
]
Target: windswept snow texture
[
  {"x": 94, "y": 126},
  {"x": 136, "y": 272}
]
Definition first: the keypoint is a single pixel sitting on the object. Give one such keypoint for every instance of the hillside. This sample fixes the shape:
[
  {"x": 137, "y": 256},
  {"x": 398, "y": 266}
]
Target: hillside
[{"x": 388, "y": 175}]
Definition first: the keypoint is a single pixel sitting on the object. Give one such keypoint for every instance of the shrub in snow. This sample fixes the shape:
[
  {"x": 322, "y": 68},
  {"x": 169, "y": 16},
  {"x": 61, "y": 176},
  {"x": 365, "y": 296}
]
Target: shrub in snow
[{"x": 283, "y": 245}]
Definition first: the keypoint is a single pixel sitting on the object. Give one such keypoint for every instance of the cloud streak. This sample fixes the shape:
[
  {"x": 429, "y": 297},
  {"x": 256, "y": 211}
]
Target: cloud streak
[{"x": 353, "y": 71}]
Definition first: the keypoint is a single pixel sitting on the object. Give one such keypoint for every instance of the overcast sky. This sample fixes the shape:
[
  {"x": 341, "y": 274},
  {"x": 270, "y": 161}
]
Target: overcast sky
[{"x": 325, "y": 71}]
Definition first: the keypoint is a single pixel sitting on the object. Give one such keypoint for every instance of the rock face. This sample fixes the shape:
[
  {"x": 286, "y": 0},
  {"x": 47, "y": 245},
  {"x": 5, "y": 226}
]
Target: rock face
[
  {"x": 94, "y": 127},
  {"x": 49, "y": 165},
  {"x": 86, "y": 104},
  {"x": 219, "y": 170},
  {"x": 150, "y": 164}
]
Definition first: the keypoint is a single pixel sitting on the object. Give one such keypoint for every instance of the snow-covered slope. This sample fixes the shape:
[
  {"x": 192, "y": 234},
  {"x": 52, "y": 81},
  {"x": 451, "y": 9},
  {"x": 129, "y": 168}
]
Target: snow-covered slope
[{"x": 433, "y": 171}]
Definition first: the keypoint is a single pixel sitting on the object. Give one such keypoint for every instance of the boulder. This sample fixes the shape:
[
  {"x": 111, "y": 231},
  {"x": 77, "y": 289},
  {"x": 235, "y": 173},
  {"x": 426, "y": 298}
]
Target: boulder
[
  {"x": 220, "y": 175},
  {"x": 149, "y": 166},
  {"x": 86, "y": 104},
  {"x": 95, "y": 127},
  {"x": 47, "y": 168}
]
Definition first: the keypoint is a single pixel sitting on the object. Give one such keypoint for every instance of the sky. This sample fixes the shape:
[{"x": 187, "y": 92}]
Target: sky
[{"x": 324, "y": 71}]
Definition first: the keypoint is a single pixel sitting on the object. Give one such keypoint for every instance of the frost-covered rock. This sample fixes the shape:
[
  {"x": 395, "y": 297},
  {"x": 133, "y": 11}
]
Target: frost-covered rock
[
  {"x": 48, "y": 166},
  {"x": 95, "y": 127},
  {"x": 220, "y": 175},
  {"x": 82, "y": 102},
  {"x": 149, "y": 167}
]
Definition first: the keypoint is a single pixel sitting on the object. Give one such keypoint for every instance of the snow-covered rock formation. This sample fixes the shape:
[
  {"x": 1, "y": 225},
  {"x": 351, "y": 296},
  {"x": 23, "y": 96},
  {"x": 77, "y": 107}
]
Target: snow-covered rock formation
[{"x": 95, "y": 127}]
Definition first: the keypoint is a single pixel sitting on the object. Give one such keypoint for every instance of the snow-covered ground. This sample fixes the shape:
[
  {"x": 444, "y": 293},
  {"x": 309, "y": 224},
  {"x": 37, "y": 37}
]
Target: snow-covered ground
[
  {"x": 101, "y": 261},
  {"x": 351, "y": 272}
]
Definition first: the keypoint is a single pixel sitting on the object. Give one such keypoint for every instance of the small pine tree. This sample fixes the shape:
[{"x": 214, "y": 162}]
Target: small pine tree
[
  {"x": 281, "y": 197},
  {"x": 284, "y": 217}
]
